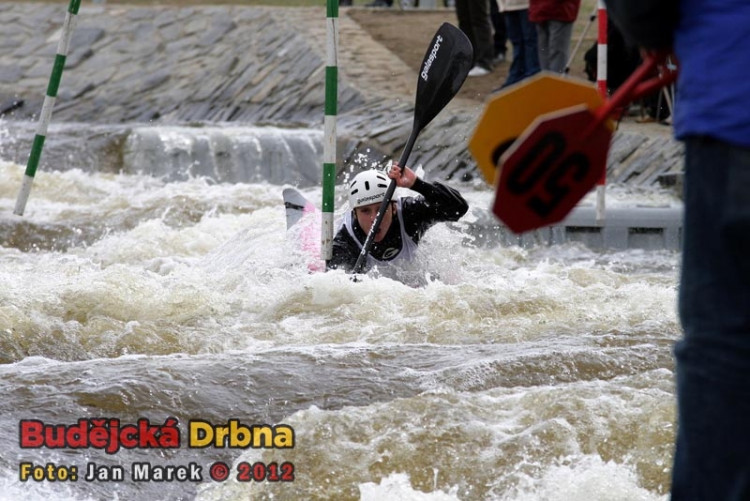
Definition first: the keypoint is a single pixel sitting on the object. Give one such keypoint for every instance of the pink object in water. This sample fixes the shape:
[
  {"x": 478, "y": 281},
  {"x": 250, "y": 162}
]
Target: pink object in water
[{"x": 304, "y": 220}]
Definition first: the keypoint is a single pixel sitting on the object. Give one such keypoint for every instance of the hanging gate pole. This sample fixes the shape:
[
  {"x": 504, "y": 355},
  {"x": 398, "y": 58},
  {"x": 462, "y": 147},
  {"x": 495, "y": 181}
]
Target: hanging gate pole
[
  {"x": 601, "y": 84},
  {"x": 329, "y": 144},
  {"x": 49, "y": 103}
]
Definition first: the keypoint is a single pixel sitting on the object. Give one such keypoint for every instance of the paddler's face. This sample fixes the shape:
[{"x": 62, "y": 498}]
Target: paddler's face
[{"x": 367, "y": 214}]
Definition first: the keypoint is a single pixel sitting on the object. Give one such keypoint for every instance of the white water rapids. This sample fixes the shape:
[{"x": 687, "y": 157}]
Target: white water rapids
[{"x": 513, "y": 374}]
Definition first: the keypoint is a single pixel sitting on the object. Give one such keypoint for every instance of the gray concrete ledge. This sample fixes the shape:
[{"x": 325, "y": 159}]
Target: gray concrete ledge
[{"x": 647, "y": 228}]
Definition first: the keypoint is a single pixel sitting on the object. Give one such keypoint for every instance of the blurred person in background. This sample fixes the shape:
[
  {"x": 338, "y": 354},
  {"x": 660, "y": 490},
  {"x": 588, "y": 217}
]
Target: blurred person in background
[
  {"x": 474, "y": 20},
  {"x": 500, "y": 32},
  {"x": 522, "y": 36},
  {"x": 554, "y": 28}
]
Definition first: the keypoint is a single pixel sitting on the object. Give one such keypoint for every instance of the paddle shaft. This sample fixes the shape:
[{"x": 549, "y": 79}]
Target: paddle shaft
[{"x": 361, "y": 260}]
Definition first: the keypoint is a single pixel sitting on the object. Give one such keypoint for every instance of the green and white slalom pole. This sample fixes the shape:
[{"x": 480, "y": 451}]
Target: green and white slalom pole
[
  {"x": 329, "y": 145},
  {"x": 49, "y": 103}
]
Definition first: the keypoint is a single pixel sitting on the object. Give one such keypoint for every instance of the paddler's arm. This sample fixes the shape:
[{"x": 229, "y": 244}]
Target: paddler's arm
[{"x": 439, "y": 203}]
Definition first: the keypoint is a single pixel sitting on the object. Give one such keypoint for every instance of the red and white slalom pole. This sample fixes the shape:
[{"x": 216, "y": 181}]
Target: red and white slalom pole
[{"x": 601, "y": 84}]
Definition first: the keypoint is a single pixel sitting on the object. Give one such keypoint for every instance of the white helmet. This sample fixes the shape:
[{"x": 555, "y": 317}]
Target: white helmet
[{"x": 367, "y": 188}]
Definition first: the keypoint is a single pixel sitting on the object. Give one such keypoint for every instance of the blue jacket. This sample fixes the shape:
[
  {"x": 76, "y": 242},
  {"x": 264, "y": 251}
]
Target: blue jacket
[{"x": 712, "y": 43}]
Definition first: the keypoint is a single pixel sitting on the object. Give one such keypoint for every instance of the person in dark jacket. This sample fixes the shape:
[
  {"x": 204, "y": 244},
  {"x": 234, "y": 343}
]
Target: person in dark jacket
[
  {"x": 711, "y": 39},
  {"x": 404, "y": 223},
  {"x": 554, "y": 27}
]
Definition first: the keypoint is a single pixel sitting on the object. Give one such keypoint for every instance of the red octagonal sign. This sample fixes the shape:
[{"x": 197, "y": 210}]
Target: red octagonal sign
[{"x": 550, "y": 168}]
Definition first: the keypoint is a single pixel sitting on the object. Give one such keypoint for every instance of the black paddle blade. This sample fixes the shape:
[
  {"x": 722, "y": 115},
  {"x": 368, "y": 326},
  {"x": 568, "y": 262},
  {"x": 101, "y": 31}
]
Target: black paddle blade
[{"x": 445, "y": 66}]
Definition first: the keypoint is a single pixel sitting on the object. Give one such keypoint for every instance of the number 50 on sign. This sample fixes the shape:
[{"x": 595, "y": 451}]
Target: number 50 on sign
[{"x": 552, "y": 166}]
